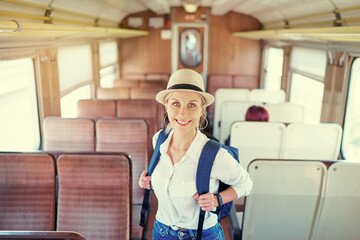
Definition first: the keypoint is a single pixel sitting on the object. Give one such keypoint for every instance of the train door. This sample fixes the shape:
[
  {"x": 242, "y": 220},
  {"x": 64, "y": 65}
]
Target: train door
[{"x": 190, "y": 47}]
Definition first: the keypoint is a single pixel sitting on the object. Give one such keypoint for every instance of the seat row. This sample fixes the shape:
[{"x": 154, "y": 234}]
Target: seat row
[
  {"x": 158, "y": 84},
  {"x": 103, "y": 135},
  {"x": 302, "y": 200},
  {"x": 157, "y": 76},
  {"x": 256, "y": 96},
  {"x": 216, "y": 81},
  {"x": 90, "y": 195},
  {"x": 127, "y": 93},
  {"x": 279, "y": 141},
  {"x": 149, "y": 110},
  {"x": 232, "y": 111}
]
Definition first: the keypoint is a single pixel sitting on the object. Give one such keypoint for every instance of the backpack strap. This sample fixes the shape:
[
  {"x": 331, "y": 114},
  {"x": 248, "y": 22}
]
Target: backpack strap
[
  {"x": 153, "y": 162},
  {"x": 205, "y": 164}
]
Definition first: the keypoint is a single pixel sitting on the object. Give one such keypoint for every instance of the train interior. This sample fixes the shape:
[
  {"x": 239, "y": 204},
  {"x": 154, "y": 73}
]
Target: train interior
[{"x": 78, "y": 81}]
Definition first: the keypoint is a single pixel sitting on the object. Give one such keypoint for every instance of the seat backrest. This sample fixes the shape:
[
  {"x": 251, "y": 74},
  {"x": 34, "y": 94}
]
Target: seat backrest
[
  {"x": 158, "y": 84},
  {"x": 95, "y": 109},
  {"x": 285, "y": 112},
  {"x": 157, "y": 76},
  {"x": 27, "y": 192},
  {"x": 267, "y": 96},
  {"x": 144, "y": 93},
  {"x": 340, "y": 213},
  {"x": 69, "y": 134},
  {"x": 122, "y": 83},
  {"x": 113, "y": 93},
  {"x": 312, "y": 141},
  {"x": 241, "y": 81},
  {"x": 94, "y": 195},
  {"x": 232, "y": 111},
  {"x": 222, "y": 95},
  {"x": 141, "y": 109},
  {"x": 217, "y": 81},
  {"x": 257, "y": 140},
  {"x": 284, "y": 199},
  {"x": 134, "y": 76},
  {"x": 131, "y": 136},
  {"x": 38, "y": 235}
]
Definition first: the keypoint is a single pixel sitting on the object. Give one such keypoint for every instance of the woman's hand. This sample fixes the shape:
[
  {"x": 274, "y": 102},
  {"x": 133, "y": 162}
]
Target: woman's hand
[
  {"x": 206, "y": 201},
  {"x": 145, "y": 181}
]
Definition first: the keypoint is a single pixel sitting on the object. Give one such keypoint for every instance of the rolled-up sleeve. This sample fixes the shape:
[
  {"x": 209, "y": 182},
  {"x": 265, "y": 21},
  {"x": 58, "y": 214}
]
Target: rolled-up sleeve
[{"x": 229, "y": 171}]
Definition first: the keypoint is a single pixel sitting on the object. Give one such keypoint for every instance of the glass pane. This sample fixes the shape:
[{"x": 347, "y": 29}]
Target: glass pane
[
  {"x": 273, "y": 68},
  {"x": 309, "y": 93},
  {"x": 309, "y": 60},
  {"x": 75, "y": 66},
  {"x": 107, "y": 77},
  {"x": 190, "y": 47},
  {"x": 351, "y": 138},
  {"x": 19, "y": 122},
  {"x": 108, "y": 53},
  {"x": 69, "y": 101}
]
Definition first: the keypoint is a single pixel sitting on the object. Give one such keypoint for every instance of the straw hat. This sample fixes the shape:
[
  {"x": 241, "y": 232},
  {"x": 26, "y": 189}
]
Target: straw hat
[{"x": 185, "y": 80}]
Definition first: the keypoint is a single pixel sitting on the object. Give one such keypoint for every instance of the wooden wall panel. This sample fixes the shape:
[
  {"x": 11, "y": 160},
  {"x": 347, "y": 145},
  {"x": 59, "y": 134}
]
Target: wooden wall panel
[
  {"x": 233, "y": 55},
  {"x": 145, "y": 54},
  {"x": 227, "y": 54}
]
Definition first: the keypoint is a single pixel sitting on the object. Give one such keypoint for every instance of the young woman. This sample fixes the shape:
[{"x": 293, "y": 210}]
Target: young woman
[{"x": 174, "y": 177}]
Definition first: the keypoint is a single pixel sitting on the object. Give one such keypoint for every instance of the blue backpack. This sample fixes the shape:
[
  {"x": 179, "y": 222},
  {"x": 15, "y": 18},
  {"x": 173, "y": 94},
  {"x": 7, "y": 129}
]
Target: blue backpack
[{"x": 203, "y": 173}]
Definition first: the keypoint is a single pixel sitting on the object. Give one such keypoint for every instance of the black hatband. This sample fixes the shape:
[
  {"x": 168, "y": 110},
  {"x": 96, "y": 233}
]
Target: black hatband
[{"x": 186, "y": 86}]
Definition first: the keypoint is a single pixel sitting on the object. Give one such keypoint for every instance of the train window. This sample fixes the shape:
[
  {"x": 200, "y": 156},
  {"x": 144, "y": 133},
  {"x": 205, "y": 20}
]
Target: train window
[
  {"x": 19, "y": 122},
  {"x": 351, "y": 138},
  {"x": 108, "y": 54},
  {"x": 75, "y": 71},
  {"x": 68, "y": 102},
  {"x": 190, "y": 47},
  {"x": 274, "y": 58},
  {"x": 307, "y": 67}
]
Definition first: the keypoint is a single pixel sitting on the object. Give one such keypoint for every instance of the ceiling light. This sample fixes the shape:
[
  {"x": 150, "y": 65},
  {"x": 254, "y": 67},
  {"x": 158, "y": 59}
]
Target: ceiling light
[{"x": 190, "y": 6}]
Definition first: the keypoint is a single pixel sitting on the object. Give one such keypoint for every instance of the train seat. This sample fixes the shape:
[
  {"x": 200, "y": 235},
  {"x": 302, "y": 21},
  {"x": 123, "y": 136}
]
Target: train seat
[
  {"x": 284, "y": 199},
  {"x": 257, "y": 140},
  {"x": 222, "y": 95},
  {"x": 157, "y": 76},
  {"x": 134, "y": 76},
  {"x": 340, "y": 212},
  {"x": 113, "y": 93},
  {"x": 140, "y": 109},
  {"x": 123, "y": 83},
  {"x": 144, "y": 93},
  {"x": 95, "y": 195},
  {"x": 267, "y": 96},
  {"x": 27, "y": 192},
  {"x": 312, "y": 141},
  {"x": 285, "y": 112},
  {"x": 157, "y": 84},
  {"x": 69, "y": 134},
  {"x": 232, "y": 111},
  {"x": 243, "y": 81},
  {"x": 95, "y": 108},
  {"x": 38, "y": 235},
  {"x": 131, "y": 136},
  {"x": 217, "y": 81}
]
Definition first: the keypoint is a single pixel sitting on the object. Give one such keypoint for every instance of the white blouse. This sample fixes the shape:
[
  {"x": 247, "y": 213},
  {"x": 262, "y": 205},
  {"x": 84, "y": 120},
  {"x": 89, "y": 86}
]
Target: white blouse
[{"x": 175, "y": 185}]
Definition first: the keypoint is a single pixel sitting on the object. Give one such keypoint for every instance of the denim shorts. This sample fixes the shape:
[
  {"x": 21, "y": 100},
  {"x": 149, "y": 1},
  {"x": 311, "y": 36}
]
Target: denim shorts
[{"x": 162, "y": 231}]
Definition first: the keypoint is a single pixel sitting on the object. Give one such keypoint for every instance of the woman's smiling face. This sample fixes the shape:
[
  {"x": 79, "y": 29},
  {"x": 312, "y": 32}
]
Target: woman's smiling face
[{"x": 184, "y": 109}]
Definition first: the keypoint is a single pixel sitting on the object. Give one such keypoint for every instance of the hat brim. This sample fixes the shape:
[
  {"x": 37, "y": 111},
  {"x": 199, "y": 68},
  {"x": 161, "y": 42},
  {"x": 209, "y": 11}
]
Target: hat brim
[{"x": 160, "y": 97}]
